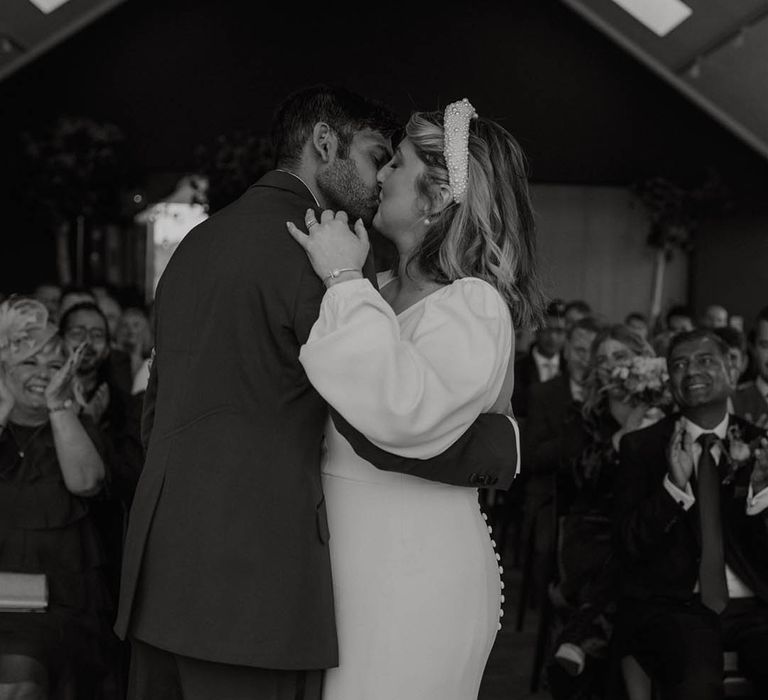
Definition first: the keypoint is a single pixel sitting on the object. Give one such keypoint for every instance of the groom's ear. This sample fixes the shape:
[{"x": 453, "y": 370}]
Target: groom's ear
[{"x": 325, "y": 142}]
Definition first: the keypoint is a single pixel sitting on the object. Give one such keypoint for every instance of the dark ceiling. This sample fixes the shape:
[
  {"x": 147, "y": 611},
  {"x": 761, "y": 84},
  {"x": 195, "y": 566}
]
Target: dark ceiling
[
  {"x": 175, "y": 73},
  {"x": 29, "y": 28},
  {"x": 717, "y": 57}
]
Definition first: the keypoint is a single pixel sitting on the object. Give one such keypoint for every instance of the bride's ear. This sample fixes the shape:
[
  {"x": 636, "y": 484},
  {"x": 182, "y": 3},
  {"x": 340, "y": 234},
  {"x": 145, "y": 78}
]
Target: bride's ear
[
  {"x": 442, "y": 199},
  {"x": 325, "y": 142}
]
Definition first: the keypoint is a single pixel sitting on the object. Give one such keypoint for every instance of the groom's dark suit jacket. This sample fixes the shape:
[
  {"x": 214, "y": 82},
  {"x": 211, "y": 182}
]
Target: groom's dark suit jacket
[
  {"x": 226, "y": 557},
  {"x": 660, "y": 542}
]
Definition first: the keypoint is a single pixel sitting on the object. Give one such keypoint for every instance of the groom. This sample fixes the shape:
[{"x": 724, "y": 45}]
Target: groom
[{"x": 226, "y": 589}]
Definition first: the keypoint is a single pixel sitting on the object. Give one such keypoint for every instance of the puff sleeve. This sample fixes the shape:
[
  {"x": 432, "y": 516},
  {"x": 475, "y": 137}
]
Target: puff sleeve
[{"x": 412, "y": 395}]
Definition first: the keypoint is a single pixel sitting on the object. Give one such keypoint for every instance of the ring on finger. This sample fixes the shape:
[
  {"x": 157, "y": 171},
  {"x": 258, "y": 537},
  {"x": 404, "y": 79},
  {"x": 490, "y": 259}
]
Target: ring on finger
[{"x": 311, "y": 223}]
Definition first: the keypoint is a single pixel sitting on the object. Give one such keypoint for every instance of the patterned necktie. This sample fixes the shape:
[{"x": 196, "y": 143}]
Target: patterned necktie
[{"x": 712, "y": 583}]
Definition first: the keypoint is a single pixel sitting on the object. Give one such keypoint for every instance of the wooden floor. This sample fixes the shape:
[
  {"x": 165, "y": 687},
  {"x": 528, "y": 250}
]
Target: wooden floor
[{"x": 508, "y": 674}]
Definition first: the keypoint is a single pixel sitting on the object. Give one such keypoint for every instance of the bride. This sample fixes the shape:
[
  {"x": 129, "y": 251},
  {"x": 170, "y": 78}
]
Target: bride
[{"x": 416, "y": 579}]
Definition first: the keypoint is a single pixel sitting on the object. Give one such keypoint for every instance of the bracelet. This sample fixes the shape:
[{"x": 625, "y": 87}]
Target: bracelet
[
  {"x": 333, "y": 274},
  {"x": 64, "y": 406}
]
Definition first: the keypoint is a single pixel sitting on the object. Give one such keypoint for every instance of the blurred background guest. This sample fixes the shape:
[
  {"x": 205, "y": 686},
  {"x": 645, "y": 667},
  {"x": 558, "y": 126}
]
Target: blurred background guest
[
  {"x": 638, "y": 323},
  {"x": 134, "y": 338},
  {"x": 679, "y": 318},
  {"x": 576, "y": 310},
  {"x": 74, "y": 295},
  {"x": 553, "y": 437},
  {"x": 543, "y": 361},
  {"x": 715, "y": 316},
  {"x": 49, "y": 295},
  {"x": 738, "y": 355},
  {"x": 751, "y": 398},
  {"x": 111, "y": 309}
]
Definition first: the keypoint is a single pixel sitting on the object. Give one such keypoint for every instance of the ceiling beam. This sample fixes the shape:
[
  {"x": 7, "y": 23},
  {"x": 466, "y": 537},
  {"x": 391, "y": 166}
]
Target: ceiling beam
[
  {"x": 29, "y": 53},
  {"x": 711, "y": 108}
]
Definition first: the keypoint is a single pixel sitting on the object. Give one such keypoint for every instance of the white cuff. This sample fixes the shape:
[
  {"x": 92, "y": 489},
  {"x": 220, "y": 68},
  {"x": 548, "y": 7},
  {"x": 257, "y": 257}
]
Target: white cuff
[
  {"x": 756, "y": 504},
  {"x": 685, "y": 498},
  {"x": 516, "y": 428}
]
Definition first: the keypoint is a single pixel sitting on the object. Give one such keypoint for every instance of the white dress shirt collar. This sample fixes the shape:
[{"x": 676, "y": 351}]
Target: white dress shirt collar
[
  {"x": 695, "y": 431},
  {"x": 547, "y": 367}
]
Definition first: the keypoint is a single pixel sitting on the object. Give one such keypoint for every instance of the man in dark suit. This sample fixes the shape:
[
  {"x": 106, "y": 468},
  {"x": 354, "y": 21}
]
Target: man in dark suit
[
  {"x": 226, "y": 589},
  {"x": 543, "y": 362},
  {"x": 751, "y": 399},
  {"x": 691, "y": 502},
  {"x": 552, "y": 438},
  {"x": 554, "y": 435}
]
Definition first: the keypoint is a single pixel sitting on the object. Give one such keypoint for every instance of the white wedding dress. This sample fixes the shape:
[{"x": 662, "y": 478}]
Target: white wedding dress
[{"x": 416, "y": 578}]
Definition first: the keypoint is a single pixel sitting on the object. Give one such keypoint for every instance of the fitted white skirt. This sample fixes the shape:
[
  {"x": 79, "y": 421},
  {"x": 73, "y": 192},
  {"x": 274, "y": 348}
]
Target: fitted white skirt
[{"x": 416, "y": 583}]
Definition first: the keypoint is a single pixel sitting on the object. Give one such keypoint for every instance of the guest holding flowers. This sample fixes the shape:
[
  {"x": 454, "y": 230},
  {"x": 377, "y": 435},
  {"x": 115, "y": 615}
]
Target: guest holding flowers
[
  {"x": 626, "y": 389},
  {"x": 49, "y": 467}
]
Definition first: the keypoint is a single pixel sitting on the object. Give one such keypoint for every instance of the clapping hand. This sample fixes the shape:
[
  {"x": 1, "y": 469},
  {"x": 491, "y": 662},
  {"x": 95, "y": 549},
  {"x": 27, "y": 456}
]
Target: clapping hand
[
  {"x": 7, "y": 400},
  {"x": 331, "y": 245},
  {"x": 60, "y": 388},
  {"x": 680, "y": 456},
  {"x": 98, "y": 404},
  {"x": 760, "y": 421}
]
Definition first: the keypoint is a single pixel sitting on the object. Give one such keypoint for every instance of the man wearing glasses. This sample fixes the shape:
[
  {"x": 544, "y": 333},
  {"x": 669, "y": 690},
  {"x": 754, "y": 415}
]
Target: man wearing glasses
[{"x": 112, "y": 410}]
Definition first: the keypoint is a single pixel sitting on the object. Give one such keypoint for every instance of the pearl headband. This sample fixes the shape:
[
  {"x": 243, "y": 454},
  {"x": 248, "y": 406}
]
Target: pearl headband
[{"x": 456, "y": 149}]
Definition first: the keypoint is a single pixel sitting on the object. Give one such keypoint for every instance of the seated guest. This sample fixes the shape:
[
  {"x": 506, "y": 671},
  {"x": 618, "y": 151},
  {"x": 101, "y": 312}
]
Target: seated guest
[
  {"x": 751, "y": 399},
  {"x": 112, "y": 311},
  {"x": 661, "y": 342},
  {"x": 589, "y": 568},
  {"x": 715, "y": 316},
  {"x": 134, "y": 337},
  {"x": 738, "y": 356},
  {"x": 49, "y": 295},
  {"x": 553, "y": 437},
  {"x": 691, "y": 503},
  {"x": 554, "y": 434},
  {"x": 638, "y": 323},
  {"x": 50, "y": 468},
  {"x": 103, "y": 399},
  {"x": 74, "y": 295},
  {"x": 576, "y": 310},
  {"x": 679, "y": 319},
  {"x": 542, "y": 362}
]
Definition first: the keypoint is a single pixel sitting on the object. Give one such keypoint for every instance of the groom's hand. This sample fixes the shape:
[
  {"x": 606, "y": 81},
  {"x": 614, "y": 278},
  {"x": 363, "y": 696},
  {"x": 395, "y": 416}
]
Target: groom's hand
[{"x": 335, "y": 251}]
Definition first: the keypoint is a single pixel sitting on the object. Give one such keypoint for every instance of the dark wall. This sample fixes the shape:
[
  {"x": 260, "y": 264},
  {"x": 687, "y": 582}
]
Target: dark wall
[
  {"x": 174, "y": 73},
  {"x": 731, "y": 262}
]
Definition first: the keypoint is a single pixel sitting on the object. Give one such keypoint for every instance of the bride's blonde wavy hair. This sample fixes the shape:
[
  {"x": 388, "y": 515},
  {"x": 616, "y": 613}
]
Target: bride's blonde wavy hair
[{"x": 491, "y": 233}]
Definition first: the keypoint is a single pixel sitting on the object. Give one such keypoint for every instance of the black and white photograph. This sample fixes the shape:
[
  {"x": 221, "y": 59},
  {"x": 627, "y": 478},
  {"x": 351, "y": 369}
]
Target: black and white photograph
[{"x": 389, "y": 352}]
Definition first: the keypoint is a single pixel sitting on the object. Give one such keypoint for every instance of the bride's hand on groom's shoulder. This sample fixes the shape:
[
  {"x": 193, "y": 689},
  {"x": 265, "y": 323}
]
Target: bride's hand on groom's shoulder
[{"x": 334, "y": 249}]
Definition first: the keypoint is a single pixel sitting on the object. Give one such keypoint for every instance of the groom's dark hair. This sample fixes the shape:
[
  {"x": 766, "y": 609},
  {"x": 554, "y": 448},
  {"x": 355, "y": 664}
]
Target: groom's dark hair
[{"x": 344, "y": 111}]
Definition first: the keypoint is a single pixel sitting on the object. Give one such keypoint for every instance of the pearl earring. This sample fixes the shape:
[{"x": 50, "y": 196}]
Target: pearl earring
[{"x": 426, "y": 222}]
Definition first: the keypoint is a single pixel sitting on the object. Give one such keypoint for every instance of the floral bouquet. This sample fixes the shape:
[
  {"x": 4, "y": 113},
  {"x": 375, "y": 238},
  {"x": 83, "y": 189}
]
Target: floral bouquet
[{"x": 642, "y": 380}]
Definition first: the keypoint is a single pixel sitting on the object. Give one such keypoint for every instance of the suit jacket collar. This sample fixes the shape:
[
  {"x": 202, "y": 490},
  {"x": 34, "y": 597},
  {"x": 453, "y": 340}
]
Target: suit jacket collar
[{"x": 283, "y": 180}]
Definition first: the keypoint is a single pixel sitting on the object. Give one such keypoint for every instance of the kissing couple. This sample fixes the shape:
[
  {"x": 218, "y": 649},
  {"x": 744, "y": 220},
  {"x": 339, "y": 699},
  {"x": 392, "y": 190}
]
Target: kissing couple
[{"x": 307, "y": 524}]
